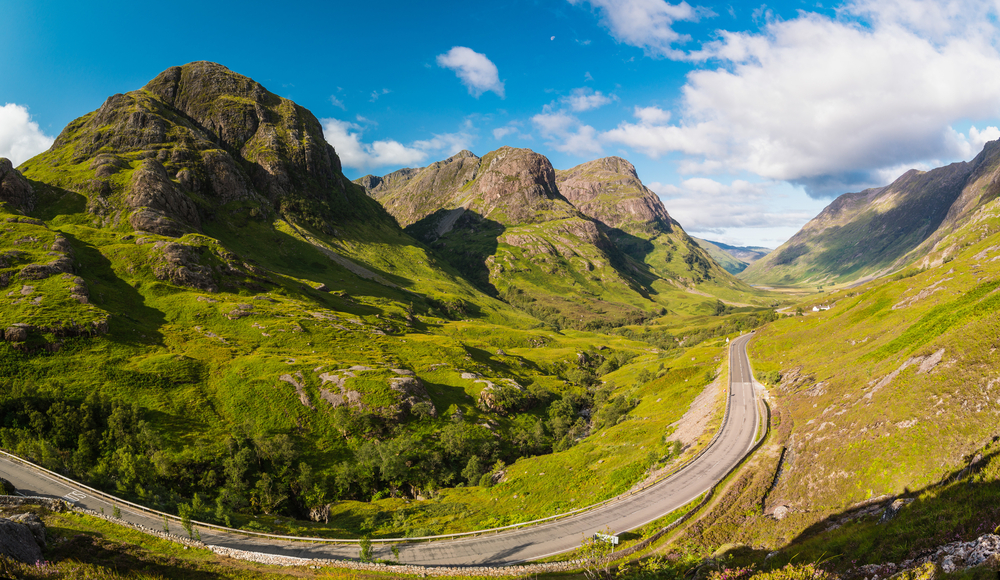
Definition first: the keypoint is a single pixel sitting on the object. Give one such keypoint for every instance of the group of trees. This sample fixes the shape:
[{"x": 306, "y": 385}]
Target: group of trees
[{"x": 110, "y": 445}]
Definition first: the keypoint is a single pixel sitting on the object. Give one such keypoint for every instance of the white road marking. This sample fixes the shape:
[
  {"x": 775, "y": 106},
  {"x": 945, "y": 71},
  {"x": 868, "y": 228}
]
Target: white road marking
[{"x": 74, "y": 496}]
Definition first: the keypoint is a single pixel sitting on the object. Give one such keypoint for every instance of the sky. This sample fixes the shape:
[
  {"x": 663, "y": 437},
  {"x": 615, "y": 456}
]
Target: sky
[{"x": 745, "y": 118}]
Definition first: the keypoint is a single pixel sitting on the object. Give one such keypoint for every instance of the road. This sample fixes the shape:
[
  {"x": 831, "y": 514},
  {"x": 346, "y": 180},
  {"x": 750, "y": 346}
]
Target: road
[{"x": 497, "y": 549}]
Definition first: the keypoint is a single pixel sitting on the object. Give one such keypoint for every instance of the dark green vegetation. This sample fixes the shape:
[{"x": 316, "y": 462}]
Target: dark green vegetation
[
  {"x": 882, "y": 230},
  {"x": 200, "y": 313}
]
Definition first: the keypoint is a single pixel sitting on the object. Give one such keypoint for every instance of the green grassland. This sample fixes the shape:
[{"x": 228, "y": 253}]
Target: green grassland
[
  {"x": 217, "y": 378},
  {"x": 894, "y": 385}
]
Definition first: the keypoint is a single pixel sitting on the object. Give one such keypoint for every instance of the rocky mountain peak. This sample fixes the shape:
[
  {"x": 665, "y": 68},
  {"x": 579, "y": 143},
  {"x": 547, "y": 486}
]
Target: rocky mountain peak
[
  {"x": 517, "y": 183},
  {"x": 609, "y": 189},
  {"x": 198, "y": 136}
]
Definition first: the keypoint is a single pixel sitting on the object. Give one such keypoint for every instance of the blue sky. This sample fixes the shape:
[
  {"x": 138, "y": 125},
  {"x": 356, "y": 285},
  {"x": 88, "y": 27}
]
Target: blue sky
[{"x": 746, "y": 118}]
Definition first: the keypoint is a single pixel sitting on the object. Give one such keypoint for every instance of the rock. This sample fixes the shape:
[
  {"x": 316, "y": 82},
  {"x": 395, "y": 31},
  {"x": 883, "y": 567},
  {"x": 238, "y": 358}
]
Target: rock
[
  {"x": 17, "y": 333},
  {"x": 928, "y": 571},
  {"x": 18, "y": 541},
  {"x": 893, "y": 509},
  {"x": 161, "y": 208},
  {"x": 609, "y": 190},
  {"x": 34, "y": 523},
  {"x": 181, "y": 266},
  {"x": 413, "y": 392},
  {"x": 14, "y": 188},
  {"x": 62, "y": 265},
  {"x": 781, "y": 512},
  {"x": 320, "y": 513},
  {"x": 323, "y": 288}
]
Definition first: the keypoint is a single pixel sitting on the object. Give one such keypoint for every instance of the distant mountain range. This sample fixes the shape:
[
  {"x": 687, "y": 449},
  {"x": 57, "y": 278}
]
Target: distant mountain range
[{"x": 734, "y": 259}]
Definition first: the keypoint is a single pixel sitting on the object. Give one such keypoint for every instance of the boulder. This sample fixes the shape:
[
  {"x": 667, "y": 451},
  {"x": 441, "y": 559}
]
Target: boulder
[
  {"x": 18, "y": 541},
  {"x": 14, "y": 188}
]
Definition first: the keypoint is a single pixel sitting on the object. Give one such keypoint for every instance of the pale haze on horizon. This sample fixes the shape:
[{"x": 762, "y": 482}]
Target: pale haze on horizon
[{"x": 747, "y": 120}]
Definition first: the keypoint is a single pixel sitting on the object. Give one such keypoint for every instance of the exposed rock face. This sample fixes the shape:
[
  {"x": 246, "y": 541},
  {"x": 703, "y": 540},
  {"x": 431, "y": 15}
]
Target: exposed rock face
[
  {"x": 412, "y": 194},
  {"x": 609, "y": 190},
  {"x": 517, "y": 186},
  {"x": 181, "y": 266},
  {"x": 162, "y": 208},
  {"x": 282, "y": 142},
  {"x": 14, "y": 188},
  {"x": 413, "y": 392},
  {"x": 20, "y": 539}
]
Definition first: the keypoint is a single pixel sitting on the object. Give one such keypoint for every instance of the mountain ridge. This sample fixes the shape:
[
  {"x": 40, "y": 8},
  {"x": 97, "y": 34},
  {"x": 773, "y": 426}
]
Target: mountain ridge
[{"x": 883, "y": 229}]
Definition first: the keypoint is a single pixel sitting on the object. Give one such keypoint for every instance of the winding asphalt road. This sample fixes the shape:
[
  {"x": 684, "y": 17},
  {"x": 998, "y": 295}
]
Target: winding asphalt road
[{"x": 494, "y": 549}]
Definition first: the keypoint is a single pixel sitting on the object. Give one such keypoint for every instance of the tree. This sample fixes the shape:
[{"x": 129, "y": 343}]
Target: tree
[
  {"x": 473, "y": 470},
  {"x": 366, "y": 552}
]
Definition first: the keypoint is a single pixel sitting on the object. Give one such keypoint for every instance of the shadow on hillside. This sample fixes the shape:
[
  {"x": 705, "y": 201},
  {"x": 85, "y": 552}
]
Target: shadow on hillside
[
  {"x": 132, "y": 321},
  {"x": 464, "y": 240},
  {"x": 962, "y": 505}
]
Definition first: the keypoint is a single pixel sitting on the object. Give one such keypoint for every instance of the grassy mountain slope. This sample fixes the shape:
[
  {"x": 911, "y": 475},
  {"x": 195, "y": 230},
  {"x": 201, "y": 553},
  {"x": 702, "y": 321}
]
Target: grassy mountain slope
[
  {"x": 883, "y": 229},
  {"x": 200, "y": 312},
  {"x": 586, "y": 247},
  {"x": 894, "y": 387}
]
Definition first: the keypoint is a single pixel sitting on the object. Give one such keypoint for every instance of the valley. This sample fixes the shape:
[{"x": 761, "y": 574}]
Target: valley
[{"x": 203, "y": 316}]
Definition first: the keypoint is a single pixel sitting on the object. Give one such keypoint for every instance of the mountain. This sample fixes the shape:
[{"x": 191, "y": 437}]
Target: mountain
[
  {"x": 880, "y": 230},
  {"x": 734, "y": 259},
  {"x": 198, "y": 308},
  {"x": 589, "y": 245}
]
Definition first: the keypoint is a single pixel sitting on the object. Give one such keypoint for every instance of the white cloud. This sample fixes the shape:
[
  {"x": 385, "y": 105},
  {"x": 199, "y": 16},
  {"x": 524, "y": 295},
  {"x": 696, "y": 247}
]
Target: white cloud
[
  {"x": 709, "y": 206},
  {"x": 833, "y": 103},
  {"x": 647, "y": 24},
  {"x": 20, "y": 137},
  {"x": 501, "y": 132},
  {"x": 337, "y": 102},
  {"x": 585, "y": 99},
  {"x": 346, "y": 139},
  {"x": 564, "y": 132},
  {"x": 652, "y": 115},
  {"x": 476, "y": 71}
]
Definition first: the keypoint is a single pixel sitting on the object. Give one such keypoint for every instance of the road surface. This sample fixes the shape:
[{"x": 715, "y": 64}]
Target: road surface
[{"x": 495, "y": 549}]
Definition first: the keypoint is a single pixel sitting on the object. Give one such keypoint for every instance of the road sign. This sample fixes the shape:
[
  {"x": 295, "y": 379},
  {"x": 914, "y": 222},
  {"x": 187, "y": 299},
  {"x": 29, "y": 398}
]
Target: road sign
[{"x": 613, "y": 540}]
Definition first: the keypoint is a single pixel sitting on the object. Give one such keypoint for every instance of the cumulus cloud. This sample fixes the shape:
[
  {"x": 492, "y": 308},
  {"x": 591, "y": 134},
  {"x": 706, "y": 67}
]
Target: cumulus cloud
[
  {"x": 647, "y": 24},
  {"x": 709, "y": 206},
  {"x": 564, "y": 132},
  {"x": 355, "y": 153},
  {"x": 832, "y": 103},
  {"x": 585, "y": 99},
  {"x": 476, "y": 72},
  {"x": 20, "y": 137}
]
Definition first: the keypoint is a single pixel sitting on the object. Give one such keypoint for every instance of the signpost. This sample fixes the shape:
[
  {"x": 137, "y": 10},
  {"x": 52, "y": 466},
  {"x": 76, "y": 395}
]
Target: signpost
[{"x": 613, "y": 540}]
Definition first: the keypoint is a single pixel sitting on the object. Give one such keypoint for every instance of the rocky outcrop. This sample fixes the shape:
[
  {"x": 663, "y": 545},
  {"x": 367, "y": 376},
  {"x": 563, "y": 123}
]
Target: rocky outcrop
[
  {"x": 609, "y": 190},
  {"x": 517, "y": 186},
  {"x": 14, "y": 188},
  {"x": 413, "y": 392},
  {"x": 180, "y": 265},
  {"x": 22, "y": 538},
  {"x": 210, "y": 144},
  {"x": 161, "y": 208}
]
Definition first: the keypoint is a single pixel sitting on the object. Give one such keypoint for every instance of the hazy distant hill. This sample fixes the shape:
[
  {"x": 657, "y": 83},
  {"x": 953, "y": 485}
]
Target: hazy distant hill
[{"x": 734, "y": 259}]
